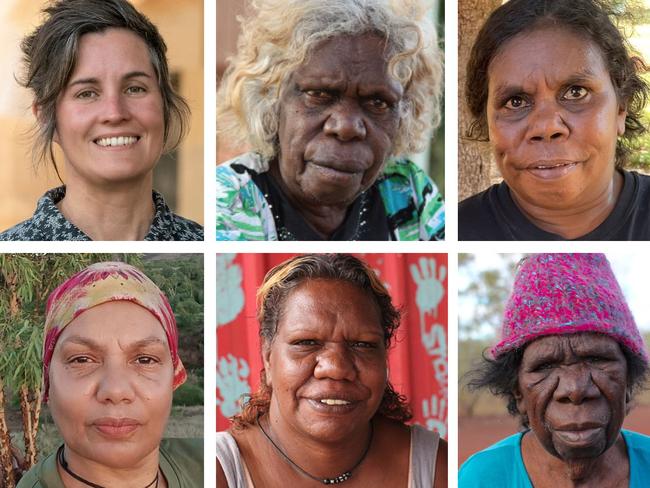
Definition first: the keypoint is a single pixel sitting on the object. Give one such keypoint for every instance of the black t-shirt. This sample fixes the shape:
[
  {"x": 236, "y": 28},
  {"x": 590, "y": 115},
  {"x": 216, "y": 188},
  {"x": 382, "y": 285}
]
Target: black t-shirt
[{"x": 492, "y": 215}]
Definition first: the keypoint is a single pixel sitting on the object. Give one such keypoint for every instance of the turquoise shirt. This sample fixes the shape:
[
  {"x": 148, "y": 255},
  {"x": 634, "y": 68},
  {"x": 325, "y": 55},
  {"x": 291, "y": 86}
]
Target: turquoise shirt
[{"x": 501, "y": 464}]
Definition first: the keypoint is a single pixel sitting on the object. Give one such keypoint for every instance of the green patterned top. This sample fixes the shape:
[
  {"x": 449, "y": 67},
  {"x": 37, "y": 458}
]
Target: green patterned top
[{"x": 413, "y": 204}]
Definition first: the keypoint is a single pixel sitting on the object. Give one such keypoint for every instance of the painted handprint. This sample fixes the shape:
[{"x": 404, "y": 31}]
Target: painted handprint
[
  {"x": 435, "y": 414},
  {"x": 232, "y": 374},
  {"x": 230, "y": 295},
  {"x": 430, "y": 290}
]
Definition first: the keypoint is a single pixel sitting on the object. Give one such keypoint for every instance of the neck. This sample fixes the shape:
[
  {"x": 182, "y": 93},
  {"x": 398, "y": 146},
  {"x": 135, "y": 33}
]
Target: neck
[
  {"x": 577, "y": 220},
  {"x": 320, "y": 459},
  {"x": 324, "y": 219},
  {"x": 137, "y": 476},
  {"x": 610, "y": 469},
  {"x": 121, "y": 212}
]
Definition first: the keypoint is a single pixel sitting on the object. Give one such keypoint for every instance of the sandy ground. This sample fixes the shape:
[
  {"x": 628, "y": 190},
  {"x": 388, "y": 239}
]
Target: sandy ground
[{"x": 480, "y": 432}]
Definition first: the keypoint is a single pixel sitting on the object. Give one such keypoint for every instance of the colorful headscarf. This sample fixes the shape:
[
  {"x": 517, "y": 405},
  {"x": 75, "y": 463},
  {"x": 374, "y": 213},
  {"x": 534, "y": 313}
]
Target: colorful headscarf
[
  {"x": 101, "y": 283},
  {"x": 557, "y": 294}
]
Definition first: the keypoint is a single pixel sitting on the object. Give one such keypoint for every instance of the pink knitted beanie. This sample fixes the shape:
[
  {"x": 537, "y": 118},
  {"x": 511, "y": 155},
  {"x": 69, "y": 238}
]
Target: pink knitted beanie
[{"x": 564, "y": 294}]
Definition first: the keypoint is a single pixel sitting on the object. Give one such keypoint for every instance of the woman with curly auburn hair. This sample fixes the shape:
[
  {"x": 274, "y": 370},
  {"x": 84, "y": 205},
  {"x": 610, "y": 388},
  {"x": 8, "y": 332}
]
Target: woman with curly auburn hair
[
  {"x": 554, "y": 88},
  {"x": 325, "y": 412},
  {"x": 328, "y": 95}
]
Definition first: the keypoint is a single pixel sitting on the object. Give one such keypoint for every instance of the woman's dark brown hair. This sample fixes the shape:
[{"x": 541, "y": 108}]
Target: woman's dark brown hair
[{"x": 271, "y": 296}]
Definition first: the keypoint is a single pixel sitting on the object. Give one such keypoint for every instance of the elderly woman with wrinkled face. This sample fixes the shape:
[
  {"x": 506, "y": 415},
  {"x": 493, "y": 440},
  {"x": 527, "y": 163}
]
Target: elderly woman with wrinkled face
[
  {"x": 325, "y": 412},
  {"x": 554, "y": 89},
  {"x": 569, "y": 362},
  {"x": 329, "y": 96}
]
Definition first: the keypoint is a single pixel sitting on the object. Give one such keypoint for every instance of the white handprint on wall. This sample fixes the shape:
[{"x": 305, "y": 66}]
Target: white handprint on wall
[
  {"x": 435, "y": 414},
  {"x": 232, "y": 374},
  {"x": 230, "y": 295}
]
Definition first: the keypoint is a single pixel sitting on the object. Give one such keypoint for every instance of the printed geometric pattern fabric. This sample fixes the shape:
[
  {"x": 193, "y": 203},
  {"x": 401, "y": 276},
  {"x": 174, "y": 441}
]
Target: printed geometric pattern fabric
[{"x": 49, "y": 224}]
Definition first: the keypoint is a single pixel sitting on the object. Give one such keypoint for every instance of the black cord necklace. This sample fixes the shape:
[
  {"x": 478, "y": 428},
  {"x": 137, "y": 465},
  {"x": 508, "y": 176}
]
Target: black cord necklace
[
  {"x": 326, "y": 481},
  {"x": 64, "y": 465}
]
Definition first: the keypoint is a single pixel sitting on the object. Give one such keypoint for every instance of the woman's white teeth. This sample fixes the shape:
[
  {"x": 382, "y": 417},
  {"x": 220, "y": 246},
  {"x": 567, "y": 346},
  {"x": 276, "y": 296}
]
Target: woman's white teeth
[
  {"x": 332, "y": 401},
  {"x": 117, "y": 141},
  {"x": 553, "y": 166}
]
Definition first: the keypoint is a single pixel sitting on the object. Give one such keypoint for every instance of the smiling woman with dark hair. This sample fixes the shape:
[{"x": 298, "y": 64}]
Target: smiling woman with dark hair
[
  {"x": 325, "y": 412},
  {"x": 330, "y": 96},
  {"x": 554, "y": 89},
  {"x": 102, "y": 92},
  {"x": 569, "y": 362}
]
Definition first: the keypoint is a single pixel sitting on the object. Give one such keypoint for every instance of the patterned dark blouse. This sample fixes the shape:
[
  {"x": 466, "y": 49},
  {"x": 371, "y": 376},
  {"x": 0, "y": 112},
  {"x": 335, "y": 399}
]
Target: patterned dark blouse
[{"x": 48, "y": 224}]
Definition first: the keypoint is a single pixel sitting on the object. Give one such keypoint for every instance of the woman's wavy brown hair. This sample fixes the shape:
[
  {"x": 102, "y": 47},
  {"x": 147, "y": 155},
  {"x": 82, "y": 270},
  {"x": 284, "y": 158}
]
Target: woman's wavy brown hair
[{"x": 275, "y": 289}]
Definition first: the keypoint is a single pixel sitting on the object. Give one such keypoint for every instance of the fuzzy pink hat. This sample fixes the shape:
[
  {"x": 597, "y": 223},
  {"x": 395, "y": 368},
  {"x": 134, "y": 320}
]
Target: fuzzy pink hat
[{"x": 562, "y": 294}]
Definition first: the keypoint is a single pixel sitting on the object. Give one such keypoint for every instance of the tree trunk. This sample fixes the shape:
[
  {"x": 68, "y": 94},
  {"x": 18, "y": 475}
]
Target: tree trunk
[
  {"x": 6, "y": 458},
  {"x": 475, "y": 164},
  {"x": 30, "y": 410}
]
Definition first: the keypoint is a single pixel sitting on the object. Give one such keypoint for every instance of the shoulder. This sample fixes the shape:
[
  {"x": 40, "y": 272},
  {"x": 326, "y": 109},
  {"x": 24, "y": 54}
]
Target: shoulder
[
  {"x": 187, "y": 230},
  {"x": 401, "y": 174},
  {"x": 242, "y": 210},
  {"x": 413, "y": 203},
  {"x": 47, "y": 223},
  {"x": 639, "y": 444},
  {"x": 476, "y": 216},
  {"x": 182, "y": 461},
  {"x": 492, "y": 466},
  {"x": 24, "y": 231},
  {"x": 43, "y": 474}
]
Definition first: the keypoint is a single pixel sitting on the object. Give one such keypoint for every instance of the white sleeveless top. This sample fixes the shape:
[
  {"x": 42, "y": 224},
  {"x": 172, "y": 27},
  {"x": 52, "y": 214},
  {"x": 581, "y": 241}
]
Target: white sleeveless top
[{"x": 422, "y": 459}]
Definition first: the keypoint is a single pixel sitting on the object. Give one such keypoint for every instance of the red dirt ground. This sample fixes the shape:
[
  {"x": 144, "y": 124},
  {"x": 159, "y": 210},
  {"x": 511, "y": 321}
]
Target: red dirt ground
[{"x": 480, "y": 432}]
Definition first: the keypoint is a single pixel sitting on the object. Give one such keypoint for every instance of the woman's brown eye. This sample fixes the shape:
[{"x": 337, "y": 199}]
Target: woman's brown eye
[
  {"x": 515, "y": 103},
  {"x": 575, "y": 93}
]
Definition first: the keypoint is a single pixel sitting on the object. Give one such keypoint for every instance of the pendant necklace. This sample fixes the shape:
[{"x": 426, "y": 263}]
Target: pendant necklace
[
  {"x": 326, "y": 481},
  {"x": 64, "y": 464}
]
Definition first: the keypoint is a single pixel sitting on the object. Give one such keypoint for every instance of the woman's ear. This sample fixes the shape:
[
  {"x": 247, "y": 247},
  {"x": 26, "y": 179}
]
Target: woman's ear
[
  {"x": 628, "y": 401},
  {"x": 38, "y": 115},
  {"x": 620, "y": 119},
  {"x": 519, "y": 399},
  {"x": 266, "y": 359}
]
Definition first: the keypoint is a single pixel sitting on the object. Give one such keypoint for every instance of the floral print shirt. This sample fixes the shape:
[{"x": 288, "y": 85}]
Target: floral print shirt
[
  {"x": 412, "y": 203},
  {"x": 49, "y": 224}
]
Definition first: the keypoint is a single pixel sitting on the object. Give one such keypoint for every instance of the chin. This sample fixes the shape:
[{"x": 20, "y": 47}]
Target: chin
[{"x": 119, "y": 456}]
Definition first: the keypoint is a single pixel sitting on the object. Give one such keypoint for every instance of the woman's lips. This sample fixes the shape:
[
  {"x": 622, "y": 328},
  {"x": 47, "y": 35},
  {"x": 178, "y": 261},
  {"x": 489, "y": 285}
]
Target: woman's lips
[
  {"x": 116, "y": 427},
  {"x": 549, "y": 170},
  {"x": 579, "y": 437},
  {"x": 342, "y": 171},
  {"x": 332, "y": 406}
]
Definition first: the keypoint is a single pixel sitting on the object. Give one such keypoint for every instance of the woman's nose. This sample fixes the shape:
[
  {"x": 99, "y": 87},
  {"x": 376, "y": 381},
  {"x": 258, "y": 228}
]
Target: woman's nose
[
  {"x": 115, "y": 108},
  {"x": 546, "y": 123},
  {"x": 575, "y": 385},
  {"x": 114, "y": 385},
  {"x": 346, "y": 122},
  {"x": 335, "y": 363}
]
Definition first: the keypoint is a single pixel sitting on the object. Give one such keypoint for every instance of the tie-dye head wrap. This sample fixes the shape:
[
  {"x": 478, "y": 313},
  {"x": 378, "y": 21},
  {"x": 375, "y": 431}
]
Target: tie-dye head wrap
[{"x": 101, "y": 283}]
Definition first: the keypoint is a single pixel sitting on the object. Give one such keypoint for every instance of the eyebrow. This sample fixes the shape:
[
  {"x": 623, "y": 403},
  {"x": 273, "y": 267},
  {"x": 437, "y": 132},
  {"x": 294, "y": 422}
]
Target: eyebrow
[
  {"x": 583, "y": 76},
  {"x": 86, "y": 341},
  {"x": 127, "y": 76}
]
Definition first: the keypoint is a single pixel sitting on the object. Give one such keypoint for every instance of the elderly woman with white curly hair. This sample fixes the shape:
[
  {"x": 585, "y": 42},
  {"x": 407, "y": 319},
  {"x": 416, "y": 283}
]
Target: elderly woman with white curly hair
[{"x": 328, "y": 95}]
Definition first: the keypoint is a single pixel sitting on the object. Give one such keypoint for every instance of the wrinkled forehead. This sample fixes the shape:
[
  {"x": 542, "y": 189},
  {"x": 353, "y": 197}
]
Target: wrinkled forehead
[{"x": 579, "y": 344}]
